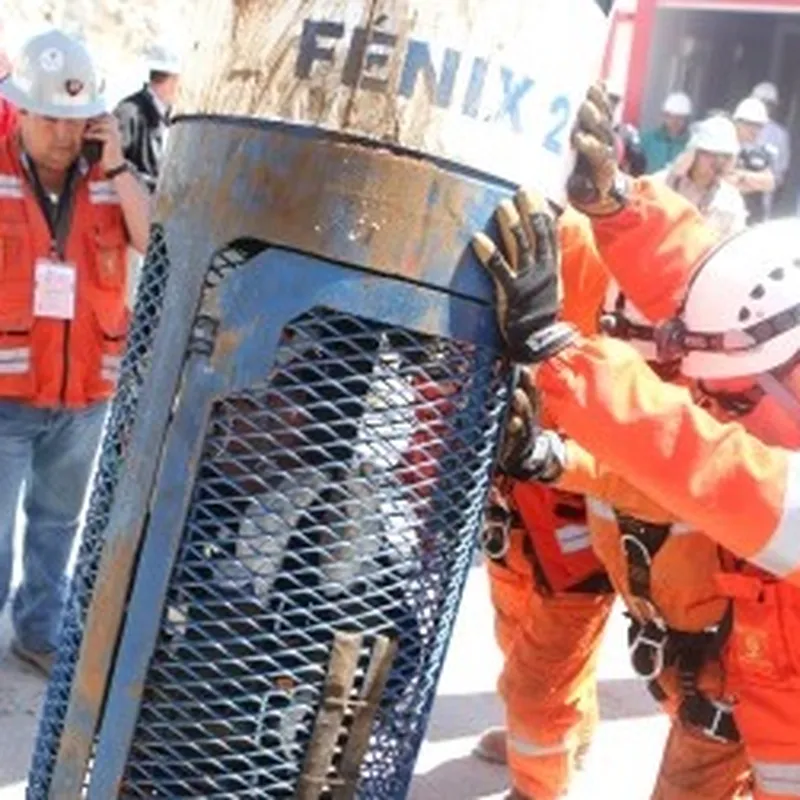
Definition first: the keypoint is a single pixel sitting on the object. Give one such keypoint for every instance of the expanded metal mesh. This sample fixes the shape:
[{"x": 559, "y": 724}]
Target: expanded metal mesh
[
  {"x": 147, "y": 311},
  {"x": 340, "y": 496}
]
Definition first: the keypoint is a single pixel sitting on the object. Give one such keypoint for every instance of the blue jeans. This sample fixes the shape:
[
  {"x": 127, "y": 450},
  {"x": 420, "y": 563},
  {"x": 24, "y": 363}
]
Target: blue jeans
[{"x": 51, "y": 452}]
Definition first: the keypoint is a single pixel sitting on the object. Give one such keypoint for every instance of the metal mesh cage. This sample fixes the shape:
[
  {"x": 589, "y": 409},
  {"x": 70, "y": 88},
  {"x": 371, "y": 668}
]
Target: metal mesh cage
[
  {"x": 147, "y": 311},
  {"x": 334, "y": 509}
]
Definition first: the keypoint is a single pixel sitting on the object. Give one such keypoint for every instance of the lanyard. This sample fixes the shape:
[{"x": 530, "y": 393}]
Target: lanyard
[{"x": 58, "y": 215}]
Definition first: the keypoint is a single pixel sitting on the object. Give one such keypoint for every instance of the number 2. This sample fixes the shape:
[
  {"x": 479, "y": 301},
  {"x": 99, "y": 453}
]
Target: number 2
[{"x": 560, "y": 109}]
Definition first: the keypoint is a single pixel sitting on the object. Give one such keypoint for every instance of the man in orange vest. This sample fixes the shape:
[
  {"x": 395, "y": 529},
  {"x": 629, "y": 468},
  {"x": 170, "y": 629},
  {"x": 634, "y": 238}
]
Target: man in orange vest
[{"x": 69, "y": 208}]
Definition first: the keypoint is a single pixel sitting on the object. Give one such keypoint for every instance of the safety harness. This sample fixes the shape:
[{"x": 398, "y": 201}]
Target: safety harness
[{"x": 654, "y": 646}]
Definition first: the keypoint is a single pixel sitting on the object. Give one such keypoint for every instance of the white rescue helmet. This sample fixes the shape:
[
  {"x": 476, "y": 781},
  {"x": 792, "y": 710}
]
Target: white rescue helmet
[
  {"x": 54, "y": 76},
  {"x": 677, "y": 104},
  {"x": 766, "y": 92},
  {"x": 622, "y": 320},
  {"x": 751, "y": 110},
  {"x": 715, "y": 135},
  {"x": 162, "y": 58},
  {"x": 741, "y": 315}
]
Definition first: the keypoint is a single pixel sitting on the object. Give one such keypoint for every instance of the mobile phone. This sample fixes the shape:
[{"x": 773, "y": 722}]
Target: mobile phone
[{"x": 92, "y": 151}]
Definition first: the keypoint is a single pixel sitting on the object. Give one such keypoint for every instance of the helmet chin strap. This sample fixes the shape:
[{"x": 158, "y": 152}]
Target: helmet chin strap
[{"x": 779, "y": 392}]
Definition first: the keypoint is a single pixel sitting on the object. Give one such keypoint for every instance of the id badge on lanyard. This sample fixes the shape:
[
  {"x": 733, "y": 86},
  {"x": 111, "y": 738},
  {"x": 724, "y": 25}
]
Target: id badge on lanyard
[
  {"x": 54, "y": 289},
  {"x": 55, "y": 279}
]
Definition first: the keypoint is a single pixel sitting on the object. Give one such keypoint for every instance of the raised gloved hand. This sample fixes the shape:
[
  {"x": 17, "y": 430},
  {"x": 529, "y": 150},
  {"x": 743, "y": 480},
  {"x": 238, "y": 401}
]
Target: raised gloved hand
[
  {"x": 527, "y": 452},
  {"x": 596, "y": 186},
  {"x": 526, "y": 279}
]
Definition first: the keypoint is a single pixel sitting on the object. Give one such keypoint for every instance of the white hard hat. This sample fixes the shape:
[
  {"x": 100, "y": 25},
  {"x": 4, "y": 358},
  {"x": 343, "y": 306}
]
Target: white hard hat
[
  {"x": 678, "y": 104},
  {"x": 742, "y": 310},
  {"x": 54, "y": 76},
  {"x": 766, "y": 92},
  {"x": 715, "y": 135},
  {"x": 752, "y": 110},
  {"x": 161, "y": 58},
  {"x": 622, "y": 320}
]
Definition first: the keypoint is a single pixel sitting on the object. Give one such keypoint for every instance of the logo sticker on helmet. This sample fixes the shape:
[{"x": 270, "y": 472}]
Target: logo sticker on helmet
[
  {"x": 73, "y": 87},
  {"x": 51, "y": 60}
]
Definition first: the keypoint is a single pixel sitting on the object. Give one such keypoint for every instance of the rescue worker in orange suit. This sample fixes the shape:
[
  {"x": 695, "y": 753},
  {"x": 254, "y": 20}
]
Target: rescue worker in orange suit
[
  {"x": 665, "y": 572},
  {"x": 736, "y": 333},
  {"x": 551, "y": 595},
  {"x": 66, "y": 221}
]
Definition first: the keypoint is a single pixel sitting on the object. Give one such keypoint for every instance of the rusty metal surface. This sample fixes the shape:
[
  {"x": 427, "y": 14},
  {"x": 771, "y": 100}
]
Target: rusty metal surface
[
  {"x": 354, "y": 202},
  {"x": 284, "y": 318},
  {"x": 235, "y": 187}
]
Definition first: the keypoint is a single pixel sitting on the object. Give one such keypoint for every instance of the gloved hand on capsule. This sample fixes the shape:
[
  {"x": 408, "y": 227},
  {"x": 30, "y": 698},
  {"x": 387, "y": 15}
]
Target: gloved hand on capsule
[
  {"x": 526, "y": 277},
  {"x": 597, "y": 186},
  {"x": 527, "y": 452}
]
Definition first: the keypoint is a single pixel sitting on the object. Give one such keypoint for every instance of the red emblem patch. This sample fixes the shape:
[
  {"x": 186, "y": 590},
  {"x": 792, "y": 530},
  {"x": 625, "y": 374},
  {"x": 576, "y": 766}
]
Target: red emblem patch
[{"x": 73, "y": 87}]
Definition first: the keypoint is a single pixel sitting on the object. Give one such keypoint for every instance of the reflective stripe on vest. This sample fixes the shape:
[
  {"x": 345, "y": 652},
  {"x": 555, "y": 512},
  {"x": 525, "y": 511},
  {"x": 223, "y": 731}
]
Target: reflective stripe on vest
[
  {"x": 15, "y": 361},
  {"x": 103, "y": 192},
  {"x": 604, "y": 511},
  {"x": 781, "y": 554},
  {"x": 11, "y": 187},
  {"x": 777, "y": 779},
  {"x": 573, "y": 538},
  {"x": 525, "y": 747}
]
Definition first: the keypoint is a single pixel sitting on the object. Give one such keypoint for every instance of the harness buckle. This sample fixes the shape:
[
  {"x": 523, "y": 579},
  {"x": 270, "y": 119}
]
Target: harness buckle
[
  {"x": 721, "y": 712},
  {"x": 495, "y": 539},
  {"x": 647, "y": 644}
]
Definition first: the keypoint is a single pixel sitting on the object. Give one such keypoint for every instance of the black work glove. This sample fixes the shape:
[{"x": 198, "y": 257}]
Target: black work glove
[
  {"x": 526, "y": 279},
  {"x": 527, "y": 452},
  {"x": 597, "y": 186}
]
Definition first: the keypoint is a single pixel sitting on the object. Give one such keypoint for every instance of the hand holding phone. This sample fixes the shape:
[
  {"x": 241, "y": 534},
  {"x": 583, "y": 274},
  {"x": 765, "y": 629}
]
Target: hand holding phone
[
  {"x": 102, "y": 142},
  {"x": 92, "y": 151}
]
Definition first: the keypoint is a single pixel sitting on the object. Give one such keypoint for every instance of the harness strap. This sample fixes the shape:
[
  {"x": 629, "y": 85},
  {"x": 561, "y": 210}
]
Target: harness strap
[
  {"x": 641, "y": 542},
  {"x": 688, "y": 652}
]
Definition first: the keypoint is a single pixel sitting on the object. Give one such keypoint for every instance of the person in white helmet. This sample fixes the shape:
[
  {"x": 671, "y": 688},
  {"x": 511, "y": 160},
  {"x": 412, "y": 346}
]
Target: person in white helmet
[
  {"x": 699, "y": 174},
  {"x": 664, "y": 144},
  {"x": 773, "y": 135},
  {"x": 754, "y": 176},
  {"x": 69, "y": 208},
  {"x": 144, "y": 116},
  {"x": 730, "y": 315}
]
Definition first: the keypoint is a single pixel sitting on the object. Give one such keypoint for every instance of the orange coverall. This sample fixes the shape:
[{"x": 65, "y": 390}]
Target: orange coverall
[
  {"x": 550, "y": 595},
  {"x": 738, "y": 489},
  {"x": 678, "y": 590},
  {"x": 665, "y": 572}
]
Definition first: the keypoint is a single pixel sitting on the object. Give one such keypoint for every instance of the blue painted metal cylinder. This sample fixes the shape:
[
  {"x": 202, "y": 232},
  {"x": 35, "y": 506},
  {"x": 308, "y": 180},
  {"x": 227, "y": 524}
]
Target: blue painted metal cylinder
[
  {"x": 326, "y": 337},
  {"x": 294, "y": 470},
  {"x": 355, "y": 356}
]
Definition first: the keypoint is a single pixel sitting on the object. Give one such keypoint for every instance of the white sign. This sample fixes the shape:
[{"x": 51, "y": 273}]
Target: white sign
[{"x": 493, "y": 84}]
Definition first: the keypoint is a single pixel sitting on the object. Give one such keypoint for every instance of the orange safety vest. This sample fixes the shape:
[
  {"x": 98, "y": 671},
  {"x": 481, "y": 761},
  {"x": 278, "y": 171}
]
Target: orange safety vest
[
  {"x": 558, "y": 534},
  {"x": 50, "y": 362}
]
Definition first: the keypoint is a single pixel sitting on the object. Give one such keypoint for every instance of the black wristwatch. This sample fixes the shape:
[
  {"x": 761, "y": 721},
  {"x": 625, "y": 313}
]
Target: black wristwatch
[{"x": 120, "y": 170}]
